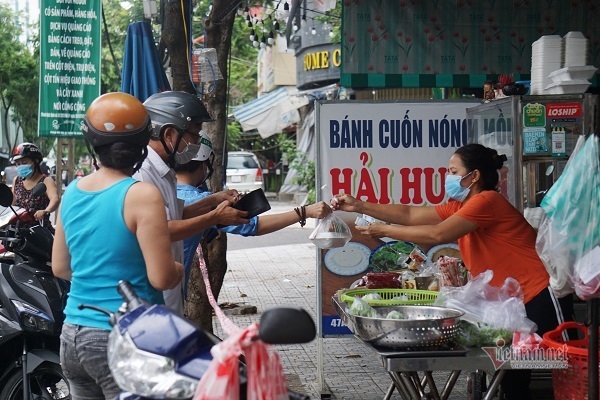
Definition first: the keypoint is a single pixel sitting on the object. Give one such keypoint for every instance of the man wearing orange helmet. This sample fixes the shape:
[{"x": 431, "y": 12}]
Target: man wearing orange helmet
[
  {"x": 177, "y": 119},
  {"x": 104, "y": 236}
]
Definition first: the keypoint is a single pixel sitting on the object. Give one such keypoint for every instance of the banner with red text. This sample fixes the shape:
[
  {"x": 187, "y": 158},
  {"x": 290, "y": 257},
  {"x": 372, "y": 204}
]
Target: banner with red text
[{"x": 381, "y": 152}]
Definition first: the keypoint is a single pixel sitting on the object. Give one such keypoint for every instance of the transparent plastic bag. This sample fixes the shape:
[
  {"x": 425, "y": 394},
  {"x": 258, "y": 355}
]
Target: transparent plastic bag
[
  {"x": 499, "y": 307},
  {"x": 571, "y": 231},
  {"x": 331, "y": 232}
]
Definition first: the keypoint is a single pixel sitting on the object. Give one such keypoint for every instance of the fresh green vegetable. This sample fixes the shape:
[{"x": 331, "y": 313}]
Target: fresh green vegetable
[
  {"x": 391, "y": 256},
  {"x": 480, "y": 334}
]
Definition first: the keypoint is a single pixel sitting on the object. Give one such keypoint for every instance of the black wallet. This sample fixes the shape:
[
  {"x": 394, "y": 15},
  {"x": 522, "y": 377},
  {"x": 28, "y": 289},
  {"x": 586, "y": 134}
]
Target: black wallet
[{"x": 254, "y": 203}]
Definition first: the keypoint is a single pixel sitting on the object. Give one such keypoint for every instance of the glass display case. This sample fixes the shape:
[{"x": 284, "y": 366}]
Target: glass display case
[{"x": 537, "y": 134}]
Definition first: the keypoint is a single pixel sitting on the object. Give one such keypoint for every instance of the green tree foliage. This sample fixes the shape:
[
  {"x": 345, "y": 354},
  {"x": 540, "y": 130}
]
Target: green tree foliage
[
  {"x": 298, "y": 160},
  {"x": 18, "y": 80}
]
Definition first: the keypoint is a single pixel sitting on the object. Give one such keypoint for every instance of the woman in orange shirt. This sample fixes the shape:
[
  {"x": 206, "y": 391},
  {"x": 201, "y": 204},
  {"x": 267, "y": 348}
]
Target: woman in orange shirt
[{"x": 491, "y": 234}]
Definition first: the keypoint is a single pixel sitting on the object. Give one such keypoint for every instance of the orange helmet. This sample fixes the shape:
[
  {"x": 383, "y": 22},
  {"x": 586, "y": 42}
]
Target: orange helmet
[{"x": 116, "y": 117}]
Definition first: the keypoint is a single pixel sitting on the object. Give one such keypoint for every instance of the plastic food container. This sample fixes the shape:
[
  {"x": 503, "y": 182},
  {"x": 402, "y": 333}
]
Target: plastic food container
[
  {"x": 568, "y": 87},
  {"x": 567, "y": 74}
]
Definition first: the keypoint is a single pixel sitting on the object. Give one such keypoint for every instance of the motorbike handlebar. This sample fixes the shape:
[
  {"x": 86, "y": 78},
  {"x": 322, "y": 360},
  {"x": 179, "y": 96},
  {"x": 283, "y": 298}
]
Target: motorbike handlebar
[
  {"x": 297, "y": 396},
  {"x": 128, "y": 293}
]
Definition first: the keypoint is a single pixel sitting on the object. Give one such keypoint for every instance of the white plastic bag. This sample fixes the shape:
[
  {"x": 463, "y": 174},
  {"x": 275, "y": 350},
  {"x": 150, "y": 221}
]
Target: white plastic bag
[
  {"x": 572, "y": 228},
  {"x": 331, "y": 232},
  {"x": 498, "y": 307}
]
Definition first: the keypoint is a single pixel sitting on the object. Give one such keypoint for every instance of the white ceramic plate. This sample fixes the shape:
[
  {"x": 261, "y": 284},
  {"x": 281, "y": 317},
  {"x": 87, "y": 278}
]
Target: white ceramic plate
[
  {"x": 352, "y": 259},
  {"x": 435, "y": 249}
]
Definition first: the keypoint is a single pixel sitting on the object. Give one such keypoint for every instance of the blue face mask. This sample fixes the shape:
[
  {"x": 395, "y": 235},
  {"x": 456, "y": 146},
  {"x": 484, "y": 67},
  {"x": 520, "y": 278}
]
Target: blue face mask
[
  {"x": 454, "y": 189},
  {"x": 25, "y": 170}
]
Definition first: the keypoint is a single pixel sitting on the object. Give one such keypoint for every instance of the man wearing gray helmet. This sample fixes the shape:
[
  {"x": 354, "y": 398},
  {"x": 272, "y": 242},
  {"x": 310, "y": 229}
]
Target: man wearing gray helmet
[{"x": 177, "y": 119}]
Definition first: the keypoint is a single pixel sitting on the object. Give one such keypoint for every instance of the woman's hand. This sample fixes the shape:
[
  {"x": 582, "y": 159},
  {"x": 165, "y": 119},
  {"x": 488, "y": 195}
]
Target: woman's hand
[
  {"x": 374, "y": 230},
  {"x": 345, "y": 202},
  {"x": 39, "y": 214},
  {"x": 318, "y": 210}
]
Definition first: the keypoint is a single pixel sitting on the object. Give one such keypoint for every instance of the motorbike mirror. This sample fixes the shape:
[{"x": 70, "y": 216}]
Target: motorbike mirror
[
  {"x": 549, "y": 170},
  {"x": 38, "y": 189},
  {"x": 6, "y": 195},
  {"x": 286, "y": 325}
]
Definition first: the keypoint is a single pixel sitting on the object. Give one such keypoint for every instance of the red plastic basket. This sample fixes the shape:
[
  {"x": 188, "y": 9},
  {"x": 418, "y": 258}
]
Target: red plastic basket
[{"x": 570, "y": 383}]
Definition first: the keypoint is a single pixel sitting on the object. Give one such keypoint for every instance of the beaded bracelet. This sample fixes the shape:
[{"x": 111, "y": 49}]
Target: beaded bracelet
[{"x": 301, "y": 212}]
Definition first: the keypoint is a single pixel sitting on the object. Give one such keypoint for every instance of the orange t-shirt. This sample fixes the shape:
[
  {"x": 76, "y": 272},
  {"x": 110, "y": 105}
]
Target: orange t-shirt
[{"x": 504, "y": 242}]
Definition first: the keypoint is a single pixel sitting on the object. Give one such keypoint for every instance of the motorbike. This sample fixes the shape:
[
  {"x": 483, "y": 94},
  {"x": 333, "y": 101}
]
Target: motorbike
[
  {"x": 31, "y": 308},
  {"x": 155, "y": 354}
]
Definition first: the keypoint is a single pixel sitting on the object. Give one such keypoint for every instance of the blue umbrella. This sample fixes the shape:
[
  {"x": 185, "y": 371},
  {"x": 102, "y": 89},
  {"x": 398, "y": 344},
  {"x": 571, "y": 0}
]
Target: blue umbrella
[{"x": 143, "y": 73}]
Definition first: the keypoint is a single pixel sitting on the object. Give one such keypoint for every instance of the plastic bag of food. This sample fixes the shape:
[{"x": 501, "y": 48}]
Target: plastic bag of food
[
  {"x": 481, "y": 334},
  {"x": 498, "y": 307},
  {"x": 452, "y": 271},
  {"x": 361, "y": 308},
  {"x": 408, "y": 280},
  {"x": 331, "y": 232},
  {"x": 395, "y": 314},
  {"x": 372, "y": 296},
  {"x": 381, "y": 280}
]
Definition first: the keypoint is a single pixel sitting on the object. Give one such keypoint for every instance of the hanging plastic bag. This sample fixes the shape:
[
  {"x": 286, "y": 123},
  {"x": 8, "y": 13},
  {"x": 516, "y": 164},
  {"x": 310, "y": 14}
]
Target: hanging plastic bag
[
  {"x": 572, "y": 228},
  {"x": 499, "y": 307},
  {"x": 331, "y": 232},
  {"x": 266, "y": 380}
]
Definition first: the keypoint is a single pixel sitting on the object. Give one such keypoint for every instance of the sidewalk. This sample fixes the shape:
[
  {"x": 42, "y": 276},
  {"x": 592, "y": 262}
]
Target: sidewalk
[{"x": 280, "y": 275}]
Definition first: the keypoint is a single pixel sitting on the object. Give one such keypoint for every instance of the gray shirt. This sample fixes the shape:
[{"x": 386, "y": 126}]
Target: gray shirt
[{"x": 154, "y": 170}]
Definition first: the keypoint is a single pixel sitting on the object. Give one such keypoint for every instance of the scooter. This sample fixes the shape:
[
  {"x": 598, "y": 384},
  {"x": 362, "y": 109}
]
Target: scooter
[
  {"x": 155, "y": 354},
  {"x": 31, "y": 310}
]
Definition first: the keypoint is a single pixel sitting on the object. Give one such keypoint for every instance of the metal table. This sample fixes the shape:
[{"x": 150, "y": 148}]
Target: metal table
[
  {"x": 412, "y": 374},
  {"x": 412, "y": 371}
]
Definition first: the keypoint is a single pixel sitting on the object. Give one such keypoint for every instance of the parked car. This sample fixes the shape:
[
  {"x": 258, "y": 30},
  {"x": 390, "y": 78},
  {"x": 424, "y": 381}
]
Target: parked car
[{"x": 244, "y": 172}]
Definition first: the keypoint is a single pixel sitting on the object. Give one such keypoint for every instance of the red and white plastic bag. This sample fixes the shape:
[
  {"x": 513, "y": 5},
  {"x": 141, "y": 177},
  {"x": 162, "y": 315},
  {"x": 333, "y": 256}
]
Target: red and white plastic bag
[{"x": 266, "y": 380}]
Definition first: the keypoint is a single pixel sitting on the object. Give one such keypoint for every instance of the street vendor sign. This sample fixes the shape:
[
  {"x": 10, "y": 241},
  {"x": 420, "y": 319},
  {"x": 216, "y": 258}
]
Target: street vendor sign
[
  {"x": 69, "y": 64},
  {"x": 380, "y": 152}
]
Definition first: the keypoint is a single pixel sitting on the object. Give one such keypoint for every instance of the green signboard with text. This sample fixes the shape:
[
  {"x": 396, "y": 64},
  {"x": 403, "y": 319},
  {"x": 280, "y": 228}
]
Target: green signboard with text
[{"x": 70, "y": 45}]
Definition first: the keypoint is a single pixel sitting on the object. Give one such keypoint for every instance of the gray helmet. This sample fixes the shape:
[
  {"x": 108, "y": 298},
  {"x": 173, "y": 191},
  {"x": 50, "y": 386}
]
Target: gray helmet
[{"x": 176, "y": 109}]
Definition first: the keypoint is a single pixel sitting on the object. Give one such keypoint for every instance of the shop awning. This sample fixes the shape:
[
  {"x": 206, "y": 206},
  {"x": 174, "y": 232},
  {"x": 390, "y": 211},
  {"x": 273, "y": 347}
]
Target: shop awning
[{"x": 271, "y": 112}]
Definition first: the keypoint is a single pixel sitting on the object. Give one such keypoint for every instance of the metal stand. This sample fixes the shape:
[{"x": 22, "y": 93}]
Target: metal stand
[{"x": 593, "y": 349}]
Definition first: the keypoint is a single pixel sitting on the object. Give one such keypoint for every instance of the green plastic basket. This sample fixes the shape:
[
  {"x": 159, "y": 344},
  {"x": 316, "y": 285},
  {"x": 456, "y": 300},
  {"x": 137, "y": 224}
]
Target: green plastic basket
[{"x": 392, "y": 297}]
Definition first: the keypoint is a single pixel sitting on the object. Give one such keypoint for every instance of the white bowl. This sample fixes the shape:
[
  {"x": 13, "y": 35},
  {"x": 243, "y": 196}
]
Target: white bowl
[{"x": 573, "y": 73}]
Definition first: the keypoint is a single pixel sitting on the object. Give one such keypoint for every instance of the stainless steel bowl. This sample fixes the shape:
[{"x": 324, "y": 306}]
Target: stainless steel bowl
[{"x": 425, "y": 327}]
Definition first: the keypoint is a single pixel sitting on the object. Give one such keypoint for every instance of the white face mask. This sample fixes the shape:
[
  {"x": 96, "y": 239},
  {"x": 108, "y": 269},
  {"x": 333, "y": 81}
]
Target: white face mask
[{"x": 189, "y": 152}]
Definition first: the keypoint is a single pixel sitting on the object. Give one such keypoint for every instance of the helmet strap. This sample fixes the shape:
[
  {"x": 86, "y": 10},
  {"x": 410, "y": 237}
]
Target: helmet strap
[
  {"x": 139, "y": 164},
  {"x": 91, "y": 151},
  {"x": 171, "y": 152},
  {"x": 209, "y": 164}
]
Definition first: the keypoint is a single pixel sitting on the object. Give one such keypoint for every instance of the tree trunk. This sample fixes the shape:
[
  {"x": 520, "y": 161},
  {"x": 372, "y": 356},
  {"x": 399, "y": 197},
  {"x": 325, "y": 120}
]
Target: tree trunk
[
  {"x": 218, "y": 36},
  {"x": 173, "y": 37}
]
